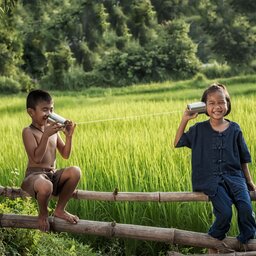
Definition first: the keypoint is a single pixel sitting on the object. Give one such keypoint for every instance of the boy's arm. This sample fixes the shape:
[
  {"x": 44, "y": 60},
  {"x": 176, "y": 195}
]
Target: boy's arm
[
  {"x": 185, "y": 118},
  {"x": 36, "y": 151},
  {"x": 248, "y": 177},
  {"x": 65, "y": 148}
]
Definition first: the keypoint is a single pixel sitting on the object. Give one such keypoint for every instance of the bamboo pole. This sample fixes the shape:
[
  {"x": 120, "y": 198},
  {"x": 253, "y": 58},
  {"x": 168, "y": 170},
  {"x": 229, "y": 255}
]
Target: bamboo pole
[
  {"x": 112, "y": 229},
  {"x": 123, "y": 196}
]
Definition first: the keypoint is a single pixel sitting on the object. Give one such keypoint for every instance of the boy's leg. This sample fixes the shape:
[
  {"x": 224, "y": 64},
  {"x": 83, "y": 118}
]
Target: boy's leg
[
  {"x": 222, "y": 209},
  {"x": 43, "y": 191},
  {"x": 68, "y": 182}
]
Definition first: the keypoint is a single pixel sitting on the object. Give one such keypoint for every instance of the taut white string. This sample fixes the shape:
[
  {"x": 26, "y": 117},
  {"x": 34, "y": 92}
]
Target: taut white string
[{"x": 127, "y": 117}]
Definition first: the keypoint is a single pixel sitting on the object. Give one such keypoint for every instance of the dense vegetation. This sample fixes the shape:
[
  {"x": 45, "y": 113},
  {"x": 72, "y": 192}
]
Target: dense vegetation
[
  {"x": 133, "y": 154},
  {"x": 81, "y": 45},
  {"x": 64, "y": 44}
]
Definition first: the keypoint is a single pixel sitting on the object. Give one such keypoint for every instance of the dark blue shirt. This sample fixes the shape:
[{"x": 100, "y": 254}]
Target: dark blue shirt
[{"x": 214, "y": 154}]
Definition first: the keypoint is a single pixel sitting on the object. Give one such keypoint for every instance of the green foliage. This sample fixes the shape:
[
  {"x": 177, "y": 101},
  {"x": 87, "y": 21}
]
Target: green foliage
[
  {"x": 18, "y": 241},
  {"x": 180, "y": 51},
  {"x": 172, "y": 56},
  {"x": 45, "y": 39},
  {"x": 8, "y": 85},
  {"x": 61, "y": 245},
  {"x": 142, "y": 21},
  {"x": 60, "y": 62},
  {"x": 33, "y": 242},
  {"x": 215, "y": 70},
  {"x": 132, "y": 66},
  {"x": 10, "y": 52},
  {"x": 234, "y": 36},
  {"x": 199, "y": 81},
  {"x": 86, "y": 57},
  {"x": 74, "y": 80},
  {"x": 133, "y": 154}
]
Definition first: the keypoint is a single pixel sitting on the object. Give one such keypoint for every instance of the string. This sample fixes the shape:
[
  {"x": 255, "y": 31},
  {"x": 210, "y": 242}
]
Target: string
[
  {"x": 127, "y": 117},
  {"x": 32, "y": 126}
]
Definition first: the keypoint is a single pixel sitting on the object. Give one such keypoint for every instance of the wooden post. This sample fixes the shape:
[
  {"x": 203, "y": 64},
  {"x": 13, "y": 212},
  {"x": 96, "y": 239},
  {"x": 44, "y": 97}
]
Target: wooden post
[{"x": 112, "y": 229}]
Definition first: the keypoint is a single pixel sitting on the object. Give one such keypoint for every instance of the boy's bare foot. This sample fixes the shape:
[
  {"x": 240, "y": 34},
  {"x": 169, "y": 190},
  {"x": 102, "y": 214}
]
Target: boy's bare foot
[
  {"x": 66, "y": 216},
  {"x": 43, "y": 223}
]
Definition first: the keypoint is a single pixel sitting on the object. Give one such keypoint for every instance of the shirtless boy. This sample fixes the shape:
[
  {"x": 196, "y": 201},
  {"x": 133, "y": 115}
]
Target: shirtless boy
[{"x": 41, "y": 140}]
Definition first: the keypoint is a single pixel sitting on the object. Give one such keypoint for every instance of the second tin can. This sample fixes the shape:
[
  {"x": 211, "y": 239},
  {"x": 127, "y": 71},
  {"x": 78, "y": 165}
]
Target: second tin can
[{"x": 197, "y": 107}]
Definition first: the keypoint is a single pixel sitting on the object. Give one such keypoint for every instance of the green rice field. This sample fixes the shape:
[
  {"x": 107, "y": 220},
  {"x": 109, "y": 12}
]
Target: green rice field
[{"x": 132, "y": 152}]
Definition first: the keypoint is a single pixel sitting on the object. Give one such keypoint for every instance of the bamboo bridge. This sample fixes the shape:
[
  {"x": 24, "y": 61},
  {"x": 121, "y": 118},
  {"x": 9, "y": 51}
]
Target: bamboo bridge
[{"x": 229, "y": 246}]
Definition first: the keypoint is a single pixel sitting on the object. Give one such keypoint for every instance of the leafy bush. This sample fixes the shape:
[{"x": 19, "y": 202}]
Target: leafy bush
[
  {"x": 75, "y": 79},
  {"x": 216, "y": 70},
  {"x": 171, "y": 56},
  {"x": 59, "y": 62},
  {"x": 33, "y": 242},
  {"x": 199, "y": 81},
  {"x": 61, "y": 245},
  {"x": 8, "y": 85}
]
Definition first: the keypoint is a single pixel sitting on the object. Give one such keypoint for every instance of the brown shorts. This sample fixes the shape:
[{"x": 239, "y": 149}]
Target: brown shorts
[{"x": 33, "y": 173}]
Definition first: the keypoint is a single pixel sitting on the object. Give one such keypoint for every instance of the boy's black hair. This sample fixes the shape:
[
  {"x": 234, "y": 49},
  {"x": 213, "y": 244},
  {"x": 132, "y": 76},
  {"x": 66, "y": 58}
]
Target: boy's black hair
[
  {"x": 36, "y": 96},
  {"x": 217, "y": 87}
]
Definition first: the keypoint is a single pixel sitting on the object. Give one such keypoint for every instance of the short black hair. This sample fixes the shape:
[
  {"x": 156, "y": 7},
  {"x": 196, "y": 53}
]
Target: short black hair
[
  {"x": 36, "y": 96},
  {"x": 217, "y": 87}
]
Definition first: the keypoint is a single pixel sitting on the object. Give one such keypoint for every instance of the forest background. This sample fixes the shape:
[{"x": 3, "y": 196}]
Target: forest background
[{"x": 72, "y": 45}]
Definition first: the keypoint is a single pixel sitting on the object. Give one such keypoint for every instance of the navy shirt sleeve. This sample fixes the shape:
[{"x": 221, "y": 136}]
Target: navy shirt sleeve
[
  {"x": 244, "y": 153},
  {"x": 186, "y": 138}
]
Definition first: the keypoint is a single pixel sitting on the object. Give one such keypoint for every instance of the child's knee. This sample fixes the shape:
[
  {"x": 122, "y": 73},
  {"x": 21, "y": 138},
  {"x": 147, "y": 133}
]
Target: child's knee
[
  {"x": 43, "y": 187},
  {"x": 75, "y": 172}
]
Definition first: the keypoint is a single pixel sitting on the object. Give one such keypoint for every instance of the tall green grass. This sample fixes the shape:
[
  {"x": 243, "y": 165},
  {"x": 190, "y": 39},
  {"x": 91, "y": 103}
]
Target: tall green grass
[{"x": 134, "y": 154}]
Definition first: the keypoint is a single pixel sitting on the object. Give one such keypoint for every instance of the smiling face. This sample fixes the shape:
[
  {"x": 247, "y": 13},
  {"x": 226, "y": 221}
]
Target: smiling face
[
  {"x": 41, "y": 112},
  {"x": 216, "y": 105}
]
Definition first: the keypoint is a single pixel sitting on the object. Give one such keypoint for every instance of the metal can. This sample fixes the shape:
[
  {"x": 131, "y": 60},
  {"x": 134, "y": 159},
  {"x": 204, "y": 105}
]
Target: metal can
[
  {"x": 57, "y": 118},
  {"x": 197, "y": 107}
]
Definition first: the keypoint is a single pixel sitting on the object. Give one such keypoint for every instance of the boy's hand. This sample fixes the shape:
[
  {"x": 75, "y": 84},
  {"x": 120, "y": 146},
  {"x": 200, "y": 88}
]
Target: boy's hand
[
  {"x": 52, "y": 128},
  {"x": 69, "y": 128}
]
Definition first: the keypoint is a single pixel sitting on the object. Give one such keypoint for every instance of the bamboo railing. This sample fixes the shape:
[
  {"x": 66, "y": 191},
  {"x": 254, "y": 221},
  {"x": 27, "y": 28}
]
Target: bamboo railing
[
  {"x": 112, "y": 229},
  {"x": 123, "y": 196},
  {"x": 168, "y": 235}
]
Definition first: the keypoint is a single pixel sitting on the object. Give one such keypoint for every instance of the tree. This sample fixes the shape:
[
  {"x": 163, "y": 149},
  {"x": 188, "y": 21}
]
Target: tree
[
  {"x": 233, "y": 36},
  {"x": 142, "y": 21},
  {"x": 179, "y": 49}
]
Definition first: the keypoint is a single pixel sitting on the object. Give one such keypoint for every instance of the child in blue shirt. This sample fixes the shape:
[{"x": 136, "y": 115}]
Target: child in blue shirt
[{"x": 220, "y": 160}]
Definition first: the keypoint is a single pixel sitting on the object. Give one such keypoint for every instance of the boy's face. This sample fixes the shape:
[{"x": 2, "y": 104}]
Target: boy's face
[{"x": 40, "y": 114}]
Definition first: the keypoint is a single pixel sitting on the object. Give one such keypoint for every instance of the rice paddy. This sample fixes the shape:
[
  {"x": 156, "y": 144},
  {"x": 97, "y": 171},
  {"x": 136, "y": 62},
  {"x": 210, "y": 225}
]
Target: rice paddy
[{"x": 130, "y": 149}]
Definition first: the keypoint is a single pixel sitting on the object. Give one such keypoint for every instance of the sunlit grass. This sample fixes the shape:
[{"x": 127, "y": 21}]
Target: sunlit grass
[{"x": 133, "y": 154}]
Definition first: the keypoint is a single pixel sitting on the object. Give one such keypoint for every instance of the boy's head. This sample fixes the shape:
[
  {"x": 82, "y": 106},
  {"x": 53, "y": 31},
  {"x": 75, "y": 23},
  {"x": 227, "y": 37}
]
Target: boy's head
[
  {"x": 37, "y": 96},
  {"x": 217, "y": 87},
  {"x": 39, "y": 105}
]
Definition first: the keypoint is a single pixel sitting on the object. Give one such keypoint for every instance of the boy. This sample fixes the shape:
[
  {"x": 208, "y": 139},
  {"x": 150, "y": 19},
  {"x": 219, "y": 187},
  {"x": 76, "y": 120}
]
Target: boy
[{"x": 41, "y": 140}]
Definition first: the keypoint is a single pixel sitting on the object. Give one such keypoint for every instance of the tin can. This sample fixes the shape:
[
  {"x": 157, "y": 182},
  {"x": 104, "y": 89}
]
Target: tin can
[
  {"x": 57, "y": 118},
  {"x": 197, "y": 107}
]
